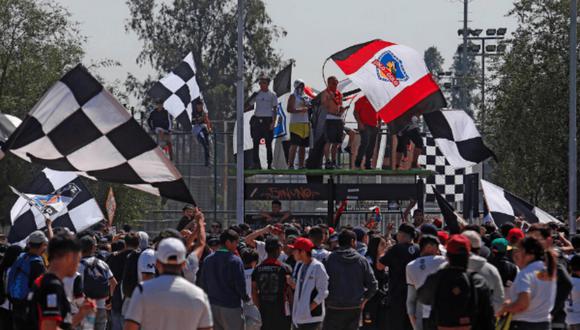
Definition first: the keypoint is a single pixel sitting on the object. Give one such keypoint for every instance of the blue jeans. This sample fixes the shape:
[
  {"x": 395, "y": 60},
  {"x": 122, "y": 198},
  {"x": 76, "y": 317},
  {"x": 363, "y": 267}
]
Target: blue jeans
[{"x": 116, "y": 320}]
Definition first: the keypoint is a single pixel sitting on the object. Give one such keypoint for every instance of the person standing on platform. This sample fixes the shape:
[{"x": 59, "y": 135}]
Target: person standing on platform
[
  {"x": 263, "y": 122},
  {"x": 366, "y": 119},
  {"x": 298, "y": 106},
  {"x": 332, "y": 102}
]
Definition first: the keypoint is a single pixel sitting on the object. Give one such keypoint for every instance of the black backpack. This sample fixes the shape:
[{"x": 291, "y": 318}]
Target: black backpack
[
  {"x": 462, "y": 299},
  {"x": 95, "y": 281}
]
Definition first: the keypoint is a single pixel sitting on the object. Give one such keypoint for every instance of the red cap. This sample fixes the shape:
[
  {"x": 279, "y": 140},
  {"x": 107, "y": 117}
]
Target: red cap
[
  {"x": 302, "y": 243},
  {"x": 330, "y": 230},
  {"x": 515, "y": 235},
  {"x": 458, "y": 244},
  {"x": 443, "y": 237},
  {"x": 438, "y": 223}
]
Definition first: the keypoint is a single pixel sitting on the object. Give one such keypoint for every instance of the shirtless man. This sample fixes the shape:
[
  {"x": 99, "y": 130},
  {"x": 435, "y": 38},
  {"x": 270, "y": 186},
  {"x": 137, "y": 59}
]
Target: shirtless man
[{"x": 332, "y": 102}]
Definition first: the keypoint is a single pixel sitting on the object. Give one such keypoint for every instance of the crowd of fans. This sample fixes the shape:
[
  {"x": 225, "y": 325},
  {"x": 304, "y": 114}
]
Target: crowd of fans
[{"x": 286, "y": 276}]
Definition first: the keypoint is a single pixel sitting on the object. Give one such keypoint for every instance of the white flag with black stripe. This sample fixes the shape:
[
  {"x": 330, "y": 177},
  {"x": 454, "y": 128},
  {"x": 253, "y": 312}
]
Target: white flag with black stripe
[
  {"x": 457, "y": 137},
  {"x": 178, "y": 91},
  {"x": 505, "y": 206},
  {"x": 79, "y": 214},
  {"x": 78, "y": 126}
]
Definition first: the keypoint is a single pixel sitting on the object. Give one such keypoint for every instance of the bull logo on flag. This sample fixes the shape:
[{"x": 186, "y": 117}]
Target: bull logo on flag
[{"x": 390, "y": 68}]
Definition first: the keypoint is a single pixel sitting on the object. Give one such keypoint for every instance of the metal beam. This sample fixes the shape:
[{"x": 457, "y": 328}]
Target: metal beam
[
  {"x": 240, "y": 118},
  {"x": 572, "y": 143}
]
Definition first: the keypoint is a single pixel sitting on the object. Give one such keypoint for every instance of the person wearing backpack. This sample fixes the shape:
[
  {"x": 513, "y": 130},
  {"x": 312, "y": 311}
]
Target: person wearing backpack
[
  {"x": 27, "y": 268},
  {"x": 97, "y": 278},
  {"x": 10, "y": 256},
  {"x": 458, "y": 299}
]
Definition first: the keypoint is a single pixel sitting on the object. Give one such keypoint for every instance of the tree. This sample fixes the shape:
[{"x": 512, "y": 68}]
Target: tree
[
  {"x": 207, "y": 28},
  {"x": 433, "y": 60},
  {"x": 527, "y": 124},
  {"x": 471, "y": 80}
]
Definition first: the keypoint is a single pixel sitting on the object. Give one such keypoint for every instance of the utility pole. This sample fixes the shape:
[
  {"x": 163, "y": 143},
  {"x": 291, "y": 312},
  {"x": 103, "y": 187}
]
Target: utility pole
[
  {"x": 572, "y": 143},
  {"x": 240, "y": 118},
  {"x": 464, "y": 57}
]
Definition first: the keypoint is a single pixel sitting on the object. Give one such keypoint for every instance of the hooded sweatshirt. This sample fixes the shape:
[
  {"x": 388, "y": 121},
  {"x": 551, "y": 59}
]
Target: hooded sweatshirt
[
  {"x": 351, "y": 279},
  {"x": 492, "y": 277}
]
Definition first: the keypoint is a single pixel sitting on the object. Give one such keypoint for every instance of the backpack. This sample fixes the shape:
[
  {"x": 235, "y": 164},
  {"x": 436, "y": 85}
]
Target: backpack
[
  {"x": 131, "y": 273},
  {"x": 466, "y": 300},
  {"x": 95, "y": 281},
  {"x": 18, "y": 277}
]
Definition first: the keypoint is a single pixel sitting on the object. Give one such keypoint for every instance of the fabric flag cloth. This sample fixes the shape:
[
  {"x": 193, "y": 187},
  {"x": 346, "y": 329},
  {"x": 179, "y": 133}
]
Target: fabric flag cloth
[
  {"x": 111, "y": 206},
  {"x": 81, "y": 213},
  {"x": 453, "y": 220},
  {"x": 178, "y": 91},
  {"x": 457, "y": 137},
  {"x": 80, "y": 127},
  {"x": 8, "y": 125},
  {"x": 393, "y": 77},
  {"x": 505, "y": 206},
  {"x": 448, "y": 181}
]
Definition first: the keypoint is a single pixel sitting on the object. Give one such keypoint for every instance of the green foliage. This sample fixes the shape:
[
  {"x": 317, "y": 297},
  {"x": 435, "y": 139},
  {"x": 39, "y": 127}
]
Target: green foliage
[
  {"x": 433, "y": 60},
  {"x": 527, "y": 125},
  {"x": 38, "y": 43},
  {"x": 208, "y": 29},
  {"x": 471, "y": 79}
]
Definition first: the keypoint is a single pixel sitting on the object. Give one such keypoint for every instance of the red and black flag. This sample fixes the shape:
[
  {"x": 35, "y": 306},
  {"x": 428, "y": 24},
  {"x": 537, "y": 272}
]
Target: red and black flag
[{"x": 393, "y": 77}]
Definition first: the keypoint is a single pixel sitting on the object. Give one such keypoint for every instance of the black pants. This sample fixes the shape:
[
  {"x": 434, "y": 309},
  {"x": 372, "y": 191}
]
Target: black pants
[
  {"x": 203, "y": 139},
  {"x": 260, "y": 129},
  {"x": 20, "y": 317},
  {"x": 368, "y": 138},
  {"x": 520, "y": 325},
  {"x": 306, "y": 326},
  {"x": 340, "y": 319},
  {"x": 397, "y": 315},
  {"x": 5, "y": 319}
]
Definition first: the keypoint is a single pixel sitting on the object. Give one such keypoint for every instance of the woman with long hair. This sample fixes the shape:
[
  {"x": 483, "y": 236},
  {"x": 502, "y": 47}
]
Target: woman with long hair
[
  {"x": 374, "y": 311},
  {"x": 10, "y": 257},
  {"x": 534, "y": 288}
]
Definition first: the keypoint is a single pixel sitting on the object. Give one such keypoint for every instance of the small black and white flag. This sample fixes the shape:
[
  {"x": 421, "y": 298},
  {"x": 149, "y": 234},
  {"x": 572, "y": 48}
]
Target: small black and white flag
[
  {"x": 77, "y": 215},
  {"x": 505, "y": 206},
  {"x": 178, "y": 91},
  {"x": 453, "y": 220},
  {"x": 457, "y": 138},
  {"x": 78, "y": 126},
  {"x": 8, "y": 124}
]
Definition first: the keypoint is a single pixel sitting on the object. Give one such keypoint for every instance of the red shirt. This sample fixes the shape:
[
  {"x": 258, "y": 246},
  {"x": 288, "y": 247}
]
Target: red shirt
[{"x": 366, "y": 112}]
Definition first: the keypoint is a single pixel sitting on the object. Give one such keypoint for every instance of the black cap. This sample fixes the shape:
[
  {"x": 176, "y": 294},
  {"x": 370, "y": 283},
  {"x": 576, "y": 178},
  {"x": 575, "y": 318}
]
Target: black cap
[
  {"x": 188, "y": 207},
  {"x": 407, "y": 229}
]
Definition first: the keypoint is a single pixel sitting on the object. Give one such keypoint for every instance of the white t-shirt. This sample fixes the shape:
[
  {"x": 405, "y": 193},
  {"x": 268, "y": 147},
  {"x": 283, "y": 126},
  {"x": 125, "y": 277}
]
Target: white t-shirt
[
  {"x": 146, "y": 263},
  {"x": 301, "y": 117},
  {"x": 101, "y": 303},
  {"x": 542, "y": 293},
  {"x": 265, "y": 104},
  {"x": 69, "y": 288},
  {"x": 169, "y": 302},
  {"x": 263, "y": 255},
  {"x": 191, "y": 268},
  {"x": 248, "y": 276},
  {"x": 573, "y": 303},
  {"x": 417, "y": 272}
]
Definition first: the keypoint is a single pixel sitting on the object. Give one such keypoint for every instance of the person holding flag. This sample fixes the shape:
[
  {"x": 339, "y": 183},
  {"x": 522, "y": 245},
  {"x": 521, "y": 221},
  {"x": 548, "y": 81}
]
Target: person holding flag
[
  {"x": 201, "y": 127},
  {"x": 332, "y": 102},
  {"x": 298, "y": 107}
]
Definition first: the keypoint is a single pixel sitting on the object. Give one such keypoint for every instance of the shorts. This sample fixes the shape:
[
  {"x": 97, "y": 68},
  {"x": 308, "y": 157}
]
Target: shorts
[
  {"x": 411, "y": 135},
  {"x": 296, "y": 140},
  {"x": 333, "y": 131}
]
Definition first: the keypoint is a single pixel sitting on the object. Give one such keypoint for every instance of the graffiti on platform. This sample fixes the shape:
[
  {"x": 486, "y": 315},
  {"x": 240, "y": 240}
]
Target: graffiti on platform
[{"x": 299, "y": 193}]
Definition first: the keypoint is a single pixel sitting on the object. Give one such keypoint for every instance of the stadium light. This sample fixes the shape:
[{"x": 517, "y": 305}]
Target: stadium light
[
  {"x": 490, "y": 32},
  {"x": 476, "y": 32},
  {"x": 501, "y": 48},
  {"x": 501, "y": 31},
  {"x": 490, "y": 48}
]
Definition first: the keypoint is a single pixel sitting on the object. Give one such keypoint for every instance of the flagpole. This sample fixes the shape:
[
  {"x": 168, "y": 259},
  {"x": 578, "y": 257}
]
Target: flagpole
[
  {"x": 240, "y": 118},
  {"x": 572, "y": 143}
]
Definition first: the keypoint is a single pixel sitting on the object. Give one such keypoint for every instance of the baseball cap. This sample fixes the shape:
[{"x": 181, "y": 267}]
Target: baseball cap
[
  {"x": 514, "y": 235},
  {"x": 360, "y": 233},
  {"x": 500, "y": 245},
  {"x": 188, "y": 207},
  {"x": 146, "y": 263},
  {"x": 213, "y": 241},
  {"x": 37, "y": 237},
  {"x": 171, "y": 251},
  {"x": 458, "y": 244},
  {"x": 438, "y": 223},
  {"x": 429, "y": 229},
  {"x": 407, "y": 229},
  {"x": 473, "y": 237},
  {"x": 302, "y": 243},
  {"x": 443, "y": 236},
  {"x": 272, "y": 243}
]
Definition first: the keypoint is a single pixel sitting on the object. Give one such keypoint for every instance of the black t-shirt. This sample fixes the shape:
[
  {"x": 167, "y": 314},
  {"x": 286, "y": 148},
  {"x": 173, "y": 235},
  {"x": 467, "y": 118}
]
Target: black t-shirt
[
  {"x": 397, "y": 259},
  {"x": 36, "y": 269},
  {"x": 51, "y": 302},
  {"x": 117, "y": 263},
  {"x": 184, "y": 221},
  {"x": 270, "y": 277}
]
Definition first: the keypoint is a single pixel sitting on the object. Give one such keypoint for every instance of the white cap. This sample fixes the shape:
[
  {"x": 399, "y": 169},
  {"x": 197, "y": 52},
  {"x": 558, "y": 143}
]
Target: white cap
[
  {"x": 146, "y": 263},
  {"x": 298, "y": 82},
  {"x": 473, "y": 237},
  {"x": 171, "y": 251}
]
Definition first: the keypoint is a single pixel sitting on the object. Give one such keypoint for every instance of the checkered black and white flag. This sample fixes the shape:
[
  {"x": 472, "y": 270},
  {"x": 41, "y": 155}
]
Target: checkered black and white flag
[
  {"x": 457, "y": 138},
  {"x": 80, "y": 127},
  {"x": 81, "y": 213},
  {"x": 448, "y": 181},
  {"x": 178, "y": 91}
]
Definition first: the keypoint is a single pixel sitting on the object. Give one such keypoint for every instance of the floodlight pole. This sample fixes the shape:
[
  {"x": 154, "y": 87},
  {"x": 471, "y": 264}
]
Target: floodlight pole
[
  {"x": 464, "y": 57},
  {"x": 240, "y": 118},
  {"x": 572, "y": 143}
]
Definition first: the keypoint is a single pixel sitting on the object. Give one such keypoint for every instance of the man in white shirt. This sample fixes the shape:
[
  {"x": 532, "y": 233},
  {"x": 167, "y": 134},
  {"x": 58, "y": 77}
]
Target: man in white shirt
[
  {"x": 417, "y": 272},
  {"x": 264, "y": 119},
  {"x": 169, "y": 301}
]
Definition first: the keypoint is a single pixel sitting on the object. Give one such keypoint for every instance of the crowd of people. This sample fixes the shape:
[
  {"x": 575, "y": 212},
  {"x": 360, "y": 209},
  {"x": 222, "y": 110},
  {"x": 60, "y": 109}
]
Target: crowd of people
[{"x": 286, "y": 276}]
